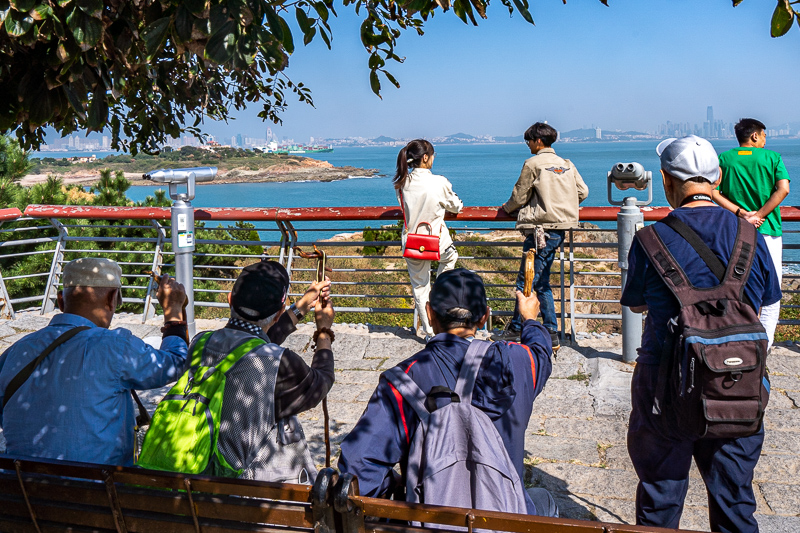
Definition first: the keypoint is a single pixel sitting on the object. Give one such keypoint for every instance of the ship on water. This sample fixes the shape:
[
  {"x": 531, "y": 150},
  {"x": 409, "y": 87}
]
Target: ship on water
[{"x": 273, "y": 148}]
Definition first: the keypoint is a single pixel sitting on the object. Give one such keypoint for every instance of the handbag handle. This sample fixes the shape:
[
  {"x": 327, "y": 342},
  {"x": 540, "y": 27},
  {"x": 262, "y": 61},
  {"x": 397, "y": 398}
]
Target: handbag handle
[{"x": 426, "y": 224}]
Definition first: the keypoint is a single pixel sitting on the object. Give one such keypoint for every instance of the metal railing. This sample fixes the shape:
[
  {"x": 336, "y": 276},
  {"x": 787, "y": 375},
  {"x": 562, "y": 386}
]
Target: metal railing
[{"x": 586, "y": 275}]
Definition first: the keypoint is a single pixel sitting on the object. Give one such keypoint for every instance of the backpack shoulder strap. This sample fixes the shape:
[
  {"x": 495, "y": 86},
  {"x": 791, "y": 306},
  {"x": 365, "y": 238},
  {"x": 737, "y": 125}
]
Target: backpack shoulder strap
[
  {"x": 741, "y": 261},
  {"x": 663, "y": 262},
  {"x": 409, "y": 390},
  {"x": 23, "y": 375},
  {"x": 469, "y": 369},
  {"x": 709, "y": 257}
]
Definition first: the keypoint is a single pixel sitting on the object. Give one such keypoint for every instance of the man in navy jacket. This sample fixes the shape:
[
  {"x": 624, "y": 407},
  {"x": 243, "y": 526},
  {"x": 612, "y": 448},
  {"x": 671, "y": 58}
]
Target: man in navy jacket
[{"x": 510, "y": 378}]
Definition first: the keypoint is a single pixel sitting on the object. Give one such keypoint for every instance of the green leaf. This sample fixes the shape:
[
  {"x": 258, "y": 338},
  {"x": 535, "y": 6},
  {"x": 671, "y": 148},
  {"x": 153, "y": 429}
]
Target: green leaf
[
  {"x": 309, "y": 36},
  {"x": 522, "y": 7},
  {"x": 375, "y": 83},
  {"x": 737, "y": 2},
  {"x": 5, "y": 9},
  {"x": 23, "y": 6},
  {"x": 87, "y": 30},
  {"x": 41, "y": 12},
  {"x": 303, "y": 20},
  {"x": 98, "y": 112},
  {"x": 42, "y": 112},
  {"x": 322, "y": 10},
  {"x": 274, "y": 22},
  {"x": 74, "y": 101},
  {"x": 391, "y": 79},
  {"x": 183, "y": 24},
  {"x": 376, "y": 61},
  {"x": 218, "y": 16},
  {"x": 18, "y": 24},
  {"x": 288, "y": 40},
  {"x": 222, "y": 44},
  {"x": 782, "y": 18},
  {"x": 91, "y": 7},
  {"x": 195, "y": 6},
  {"x": 155, "y": 35}
]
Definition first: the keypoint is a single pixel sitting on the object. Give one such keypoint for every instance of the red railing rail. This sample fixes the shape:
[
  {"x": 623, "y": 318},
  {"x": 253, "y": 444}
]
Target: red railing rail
[{"x": 9, "y": 213}]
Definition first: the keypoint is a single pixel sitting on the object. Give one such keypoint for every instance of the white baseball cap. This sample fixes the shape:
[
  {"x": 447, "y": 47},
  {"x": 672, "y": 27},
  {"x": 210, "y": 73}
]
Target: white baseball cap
[
  {"x": 93, "y": 272},
  {"x": 689, "y": 157}
]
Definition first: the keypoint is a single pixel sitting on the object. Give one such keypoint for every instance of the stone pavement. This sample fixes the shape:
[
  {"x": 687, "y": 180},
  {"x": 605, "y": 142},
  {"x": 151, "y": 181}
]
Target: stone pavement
[{"x": 576, "y": 437}]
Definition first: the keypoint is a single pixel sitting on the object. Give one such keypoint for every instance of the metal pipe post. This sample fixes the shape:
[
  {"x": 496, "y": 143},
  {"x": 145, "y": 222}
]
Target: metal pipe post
[
  {"x": 629, "y": 219},
  {"x": 183, "y": 245}
]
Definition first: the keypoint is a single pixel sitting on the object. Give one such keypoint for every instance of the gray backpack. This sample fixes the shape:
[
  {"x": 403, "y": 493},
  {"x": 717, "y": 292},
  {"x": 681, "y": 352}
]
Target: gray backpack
[{"x": 457, "y": 457}]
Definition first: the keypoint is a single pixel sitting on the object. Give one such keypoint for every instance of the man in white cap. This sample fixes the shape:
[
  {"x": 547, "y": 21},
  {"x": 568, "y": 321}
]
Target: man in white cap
[
  {"x": 65, "y": 391},
  {"x": 660, "y": 454}
]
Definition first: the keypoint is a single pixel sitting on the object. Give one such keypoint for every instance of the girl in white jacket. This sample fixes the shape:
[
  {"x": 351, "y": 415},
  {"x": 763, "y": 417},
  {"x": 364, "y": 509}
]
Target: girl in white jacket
[{"x": 424, "y": 197}]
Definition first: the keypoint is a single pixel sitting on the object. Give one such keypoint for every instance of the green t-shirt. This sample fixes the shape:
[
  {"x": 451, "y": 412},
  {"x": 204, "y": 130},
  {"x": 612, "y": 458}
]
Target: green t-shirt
[{"x": 749, "y": 176}]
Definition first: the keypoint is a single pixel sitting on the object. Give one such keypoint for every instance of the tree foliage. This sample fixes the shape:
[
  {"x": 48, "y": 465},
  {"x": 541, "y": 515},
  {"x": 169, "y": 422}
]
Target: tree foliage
[{"x": 147, "y": 70}]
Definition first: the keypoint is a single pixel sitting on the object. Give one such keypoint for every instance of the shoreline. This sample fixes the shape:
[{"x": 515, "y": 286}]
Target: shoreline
[{"x": 320, "y": 171}]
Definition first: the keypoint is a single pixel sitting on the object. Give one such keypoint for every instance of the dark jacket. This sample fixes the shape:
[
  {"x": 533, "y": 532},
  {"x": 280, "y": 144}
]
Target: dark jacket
[{"x": 511, "y": 376}]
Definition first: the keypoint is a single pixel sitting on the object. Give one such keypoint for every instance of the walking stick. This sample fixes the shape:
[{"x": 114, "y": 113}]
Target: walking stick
[
  {"x": 530, "y": 256},
  {"x": 322, "y": 266}
]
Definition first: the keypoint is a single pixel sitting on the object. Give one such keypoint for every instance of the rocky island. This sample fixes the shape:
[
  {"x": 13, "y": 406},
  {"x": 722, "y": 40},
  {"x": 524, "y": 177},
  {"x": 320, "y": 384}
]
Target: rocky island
[{"x": 235, "y": 166}]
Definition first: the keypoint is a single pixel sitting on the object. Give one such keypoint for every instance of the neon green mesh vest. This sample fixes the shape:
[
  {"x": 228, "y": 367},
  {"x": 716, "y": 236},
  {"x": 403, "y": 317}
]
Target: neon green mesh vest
[{"x": 184, "y": 432}]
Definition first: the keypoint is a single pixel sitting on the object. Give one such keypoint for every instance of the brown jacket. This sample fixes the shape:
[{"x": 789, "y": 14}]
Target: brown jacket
[{"x": 547, "y": 193}]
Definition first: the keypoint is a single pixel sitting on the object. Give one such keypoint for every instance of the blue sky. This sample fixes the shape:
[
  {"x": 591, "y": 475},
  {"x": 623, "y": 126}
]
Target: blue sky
[{"x": 632, "y": 65}]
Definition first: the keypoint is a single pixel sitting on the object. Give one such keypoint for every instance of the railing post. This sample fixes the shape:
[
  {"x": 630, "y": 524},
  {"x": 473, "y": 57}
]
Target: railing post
[
  {"x": 149, "y": 307},
  {"x": 51, "y": 289},
  {"x": 629, "y": 219},
  {"x": 572, "y": 285},
  {"x": 6, "y": 309},
  {"x": 563, "y": 291}
]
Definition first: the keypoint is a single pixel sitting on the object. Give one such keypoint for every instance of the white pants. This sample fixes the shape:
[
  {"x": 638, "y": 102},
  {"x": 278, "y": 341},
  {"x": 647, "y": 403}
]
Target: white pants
[
  {"x": 420, "y": 274},
  {"x": 770, "y": 313}
]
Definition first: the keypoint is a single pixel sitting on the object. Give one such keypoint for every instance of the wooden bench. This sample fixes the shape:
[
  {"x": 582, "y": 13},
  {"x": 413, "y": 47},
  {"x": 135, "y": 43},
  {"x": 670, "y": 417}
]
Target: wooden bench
[{"x": 47, "y": 496}]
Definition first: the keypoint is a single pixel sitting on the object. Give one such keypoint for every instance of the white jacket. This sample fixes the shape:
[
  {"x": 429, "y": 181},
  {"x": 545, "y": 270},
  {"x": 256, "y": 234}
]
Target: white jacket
[{"x": 426, "y": 197}]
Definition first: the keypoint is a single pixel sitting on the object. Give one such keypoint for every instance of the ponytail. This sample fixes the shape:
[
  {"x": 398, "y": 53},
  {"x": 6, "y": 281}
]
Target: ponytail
[{"x": 410, "y": 157}]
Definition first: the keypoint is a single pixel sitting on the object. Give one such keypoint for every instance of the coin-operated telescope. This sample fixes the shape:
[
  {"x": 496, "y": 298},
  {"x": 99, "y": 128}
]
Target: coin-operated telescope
[
  {"x": 626, "y": 176},
  {"x": 182, "y": 220},
  {"x": 630, "y": 176},
  {"x": 181, "y": 176}
]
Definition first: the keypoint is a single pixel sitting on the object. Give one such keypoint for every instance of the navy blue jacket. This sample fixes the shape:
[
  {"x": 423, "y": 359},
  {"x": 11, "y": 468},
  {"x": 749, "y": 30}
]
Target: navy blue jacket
[{"x": 511, "y": 376}]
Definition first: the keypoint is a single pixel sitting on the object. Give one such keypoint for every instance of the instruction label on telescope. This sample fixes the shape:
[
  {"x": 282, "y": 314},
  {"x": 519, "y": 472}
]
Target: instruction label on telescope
[
  {"x": 185, "y": 239},
  {"x": 182, "y": 222}
]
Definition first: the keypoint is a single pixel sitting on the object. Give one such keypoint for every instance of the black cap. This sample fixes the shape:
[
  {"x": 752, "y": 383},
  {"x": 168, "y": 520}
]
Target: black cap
[
  {"x": 260, "y": 290},
  {"x": 459, "y": 288}
]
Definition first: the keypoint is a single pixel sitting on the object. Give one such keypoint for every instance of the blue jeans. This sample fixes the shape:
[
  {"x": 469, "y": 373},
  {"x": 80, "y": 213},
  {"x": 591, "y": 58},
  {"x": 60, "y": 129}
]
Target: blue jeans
[{"x": 541, "y": 280}]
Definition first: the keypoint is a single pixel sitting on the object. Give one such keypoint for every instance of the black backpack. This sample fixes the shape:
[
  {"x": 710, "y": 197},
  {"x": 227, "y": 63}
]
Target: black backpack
[{"x": 712, "y": 380}]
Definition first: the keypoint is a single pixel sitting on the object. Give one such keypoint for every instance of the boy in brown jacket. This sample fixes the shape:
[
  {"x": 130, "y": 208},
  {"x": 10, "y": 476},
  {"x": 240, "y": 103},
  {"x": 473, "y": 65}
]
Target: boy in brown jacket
[{"x": 546, "y": 195}]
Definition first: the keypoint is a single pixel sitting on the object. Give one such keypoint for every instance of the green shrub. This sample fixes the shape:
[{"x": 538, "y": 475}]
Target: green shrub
[{"x": 384, "y": 233}]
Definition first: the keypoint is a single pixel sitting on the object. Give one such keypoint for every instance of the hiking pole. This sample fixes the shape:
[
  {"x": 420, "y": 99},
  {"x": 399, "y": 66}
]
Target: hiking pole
[
  {"x": 322, "y": 266},
  {"x": 530, "y": 256}
]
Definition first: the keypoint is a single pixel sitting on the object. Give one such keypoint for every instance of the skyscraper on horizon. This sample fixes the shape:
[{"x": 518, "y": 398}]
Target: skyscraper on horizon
[{"x": 710, "y": 114}]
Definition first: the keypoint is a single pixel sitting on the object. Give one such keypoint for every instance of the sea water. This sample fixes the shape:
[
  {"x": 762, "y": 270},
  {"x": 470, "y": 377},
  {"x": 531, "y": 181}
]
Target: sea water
[{"x": 482, "y": 175}]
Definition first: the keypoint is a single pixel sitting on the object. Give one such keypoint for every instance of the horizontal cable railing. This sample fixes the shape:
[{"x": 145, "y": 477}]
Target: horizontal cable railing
[{"x": 368, "y": 273}]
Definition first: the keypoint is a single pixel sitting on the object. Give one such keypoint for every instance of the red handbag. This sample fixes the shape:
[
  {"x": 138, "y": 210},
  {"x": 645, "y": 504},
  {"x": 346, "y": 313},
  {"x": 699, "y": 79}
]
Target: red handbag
[{"x": 418, "y": 245}]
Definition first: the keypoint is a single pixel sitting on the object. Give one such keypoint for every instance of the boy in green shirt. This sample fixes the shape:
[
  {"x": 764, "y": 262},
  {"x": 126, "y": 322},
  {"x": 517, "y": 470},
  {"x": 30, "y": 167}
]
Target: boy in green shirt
[{"x": 754, "y": 183}]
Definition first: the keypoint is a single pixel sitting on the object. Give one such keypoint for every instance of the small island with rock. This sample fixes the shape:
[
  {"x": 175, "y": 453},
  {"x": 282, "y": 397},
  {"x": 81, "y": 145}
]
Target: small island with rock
[{"x": 235, "y": 166}]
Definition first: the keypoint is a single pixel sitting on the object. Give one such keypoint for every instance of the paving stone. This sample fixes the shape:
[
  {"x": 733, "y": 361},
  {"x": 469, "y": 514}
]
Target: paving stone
[
  {"x": 783, "y": 420},
  {"x": 695, "y": 519},
  {"x": 6, "y": 330},
  {"x": 29, "y": 322},
  {"x": 603, "y": 431},
  {"x": 300, "y": 343},
  {"x": 11, "y": 339},
  {"x": 784, "y": 364},
  {"x": 782, "y": 499},
  {"x": 575, "y": 507},
  {"x": 617, "y": 457},
  {"x": 772, "y": 467},
  {"x": 357, "y": 376},
  {"x": 559, "y": 449},
  {"x": 381, "y": 348},
  {"x": 348, "y": 347},
  {"x": 357, "y": 364},
  {"x": 779, "y": 400},
  {"x": 778, "y": 524},
  {"x": 615, "y": 510},
  {"x": 344, "y": 393},
  {"x": 794, "y": 396},
  {"x": 791, "y": 383},
  {"x": 780, "y": 443},
  {"x": 567, "y": 363},
  {"x": 579, "y": 479},
  {"x": 139, "y": 330},
  {"x": 552, "y": 400}
]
